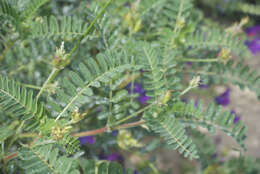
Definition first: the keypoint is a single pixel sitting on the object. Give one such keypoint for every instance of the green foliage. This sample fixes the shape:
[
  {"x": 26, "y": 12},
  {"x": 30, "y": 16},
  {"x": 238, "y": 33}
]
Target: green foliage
[
  {"x": 91, "y": 74},
  {"x": 71, "y": 144},
  {"x": 237, "y": 6},
  {"x": 31, "y": 8},
  {"x": 242, "y": 165},
  {"x": 92, "y": 167},
  {"x": 216, "y": 39},
  {"x": 213, "y": 117},
  {"x": 154, "y": 82},
  {"x": 136, "y": 43},
  {"x": 173, "y": 13},
  {"x": 247, "y": 8},
  {"x": 172, "y": 131},
  {"x": 181, "y": 14},
  {"x": 20, "y": 17},
  {"x": 237, "y": 73},
  {"x": 8, "y": 14},
  {"x": 46, "y": 159},
  {"x": 5, "y": 132},
  {"x": 18, "y": 101},
  {"x": 67, "y": 28},
  {"x": 42, "y": 51},
  {"x": 7, "y": 9}
]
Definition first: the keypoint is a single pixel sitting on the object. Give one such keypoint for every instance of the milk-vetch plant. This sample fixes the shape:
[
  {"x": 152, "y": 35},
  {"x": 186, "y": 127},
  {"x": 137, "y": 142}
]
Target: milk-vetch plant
[{"x": 91, "y": 68}]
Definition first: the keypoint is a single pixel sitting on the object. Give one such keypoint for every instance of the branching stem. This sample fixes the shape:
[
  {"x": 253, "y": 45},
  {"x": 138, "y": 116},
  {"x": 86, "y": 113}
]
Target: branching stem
[
  {"x": 80, "y": 134},
  {"x": 105, "y": 129}
]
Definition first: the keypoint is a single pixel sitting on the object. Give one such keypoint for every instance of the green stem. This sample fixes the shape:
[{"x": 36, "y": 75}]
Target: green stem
[
  {"x": 185, "y": 91},
  {"x": 31, "y": 86},
  {"x": 134, "y": 114},
  {"x": 52, "y": 75},
  {"x": 28, "y": 135},
  {"x": 199, "y": 72},
  {"x": 89, "y": 28},
  {"x": 199, "y": 60}
]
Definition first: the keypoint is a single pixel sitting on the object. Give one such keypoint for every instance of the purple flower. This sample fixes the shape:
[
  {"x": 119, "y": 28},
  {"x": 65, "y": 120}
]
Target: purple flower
[
  {"x": 214, "y": 156},
  {"x": 252, "y": 31},
  {"x": 112, "y": 157},
  {"x": 237, "y": 117},
  {"x": 127, "y": 4},
  {"x": 87, "y": 139},
  {"x": 203, "y": 86},
  {"x": 102, "y": 155},
  {"x": 135, "y": 172},
  {"x": 196, "y": 103},
  {"x": 223, "y": 99},
  {"x": 188, "y": 64},
  {"x": 143, "y": 99},
  {"x": 184, "y": 100},
  {"x": 138, "y": 89},
  {"x": 115, "y": 132},
  {"x": 254, "y": 45}
]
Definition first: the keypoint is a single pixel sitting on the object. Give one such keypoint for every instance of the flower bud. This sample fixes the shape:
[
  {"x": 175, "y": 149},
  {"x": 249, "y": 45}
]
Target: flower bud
[
  {"x": 180, "y": 22},
  {"x": 138, "y": 26},
  {"x": 224, "y": 55},
  {"x": 56, "y": 132},
  {"x": 194, "y": 83},
  {"x": 60, "y": 60},
  {"x": 76, "y": 116},
  {"x": 126, "y": 141}
]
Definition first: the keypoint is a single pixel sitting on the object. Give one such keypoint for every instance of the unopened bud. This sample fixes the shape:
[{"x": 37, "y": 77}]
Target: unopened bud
[
  {"x": 60, "y": 60},
  {"x": 244, "y": 21},
  {"x": 166, "y": 97},
  {"x": 194, "y": 83},
  {"x": 56, "y": 132},
  {"x": 138, "y": 26},
  {"x": 76, "y": 116},
  {"x": 224, "y": 55},
  {"x": 180, "y": 22},
  {"x": 125, "y": 140}
]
